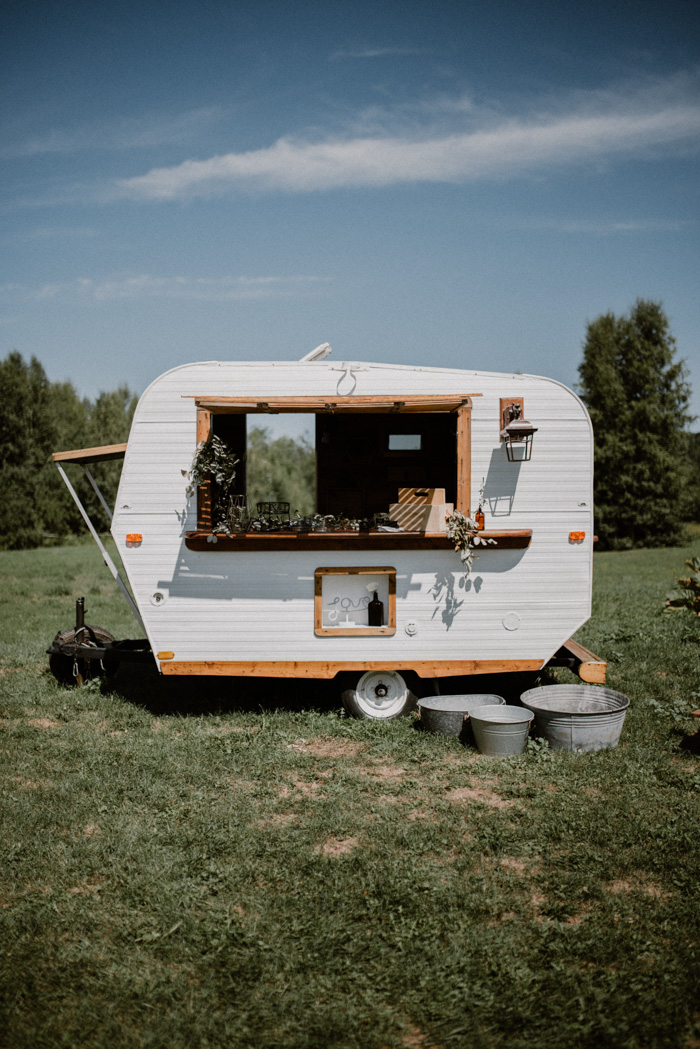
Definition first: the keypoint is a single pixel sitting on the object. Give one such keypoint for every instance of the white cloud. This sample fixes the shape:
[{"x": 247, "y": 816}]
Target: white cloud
[
  {"x": 595, "y": 128},
  {"x": 146, "y": 286}
]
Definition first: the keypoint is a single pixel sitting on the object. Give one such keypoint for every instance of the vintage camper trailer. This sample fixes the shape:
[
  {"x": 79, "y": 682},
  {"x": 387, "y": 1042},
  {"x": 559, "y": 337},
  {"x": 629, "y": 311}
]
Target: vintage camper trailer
[{"x": 406, "y": 442}]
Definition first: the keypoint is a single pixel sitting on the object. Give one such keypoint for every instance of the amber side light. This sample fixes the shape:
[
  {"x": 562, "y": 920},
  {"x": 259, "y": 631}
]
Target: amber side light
[
  {"x": 134, "y": 537},
  {"x": 165, "y": 655},
  {"x": 576, "y": 537}
]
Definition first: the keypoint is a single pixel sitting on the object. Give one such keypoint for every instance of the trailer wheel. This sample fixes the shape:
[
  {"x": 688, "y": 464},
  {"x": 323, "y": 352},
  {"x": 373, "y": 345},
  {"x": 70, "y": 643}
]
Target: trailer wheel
[
  {"x": 379, "y": 694},
  {"x": 62, "y": 667}
]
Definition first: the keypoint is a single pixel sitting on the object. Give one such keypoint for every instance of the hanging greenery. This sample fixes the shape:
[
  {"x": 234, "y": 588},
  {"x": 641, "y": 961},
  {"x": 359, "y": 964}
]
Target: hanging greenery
[
  {"x": 214, "y": 461},
  {"x": 464, "y": 533}
]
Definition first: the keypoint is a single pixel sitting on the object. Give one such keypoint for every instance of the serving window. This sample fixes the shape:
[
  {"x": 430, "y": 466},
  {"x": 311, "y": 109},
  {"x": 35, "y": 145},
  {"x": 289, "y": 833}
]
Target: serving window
[{"x": 367, "y": 448}]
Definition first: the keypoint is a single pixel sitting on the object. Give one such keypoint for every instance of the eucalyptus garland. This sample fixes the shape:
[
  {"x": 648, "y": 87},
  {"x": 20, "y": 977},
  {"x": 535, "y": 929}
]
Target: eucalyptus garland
[
  {"x": 464, "y": 533},
  {"x": 214, "y": 461}
]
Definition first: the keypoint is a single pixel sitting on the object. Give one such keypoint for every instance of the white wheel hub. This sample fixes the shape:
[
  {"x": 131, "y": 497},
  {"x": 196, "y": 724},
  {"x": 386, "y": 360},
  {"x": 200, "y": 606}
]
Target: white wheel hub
[{"x": 381, "y": 693}]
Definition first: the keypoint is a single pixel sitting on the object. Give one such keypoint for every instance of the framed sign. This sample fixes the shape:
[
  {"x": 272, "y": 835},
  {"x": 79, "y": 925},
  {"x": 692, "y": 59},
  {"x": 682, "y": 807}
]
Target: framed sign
[{"x": 342, "y": 597}]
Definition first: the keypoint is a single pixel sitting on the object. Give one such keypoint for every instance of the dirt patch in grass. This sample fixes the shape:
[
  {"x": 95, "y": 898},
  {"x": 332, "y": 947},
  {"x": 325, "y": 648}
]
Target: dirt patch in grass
[
  {"x": 85, "y": 888},
  {"x": 467, "y": 795},
  {"x": 419, "y": 814},
  {"x": 44, "y": 723},
  {"x": 515, "y": 865},
  {"x": 325, "y": 747},
  {"x": 300, "y": 786},
  {"x": 383, "y": 772},
  {"x": 337, "y": 846},
  {"x": 645, "y": 886},
  {"x": 413, "y": 1038},
  {"x": 28, "y": 784},
  {"x": 280, "y": 819}
]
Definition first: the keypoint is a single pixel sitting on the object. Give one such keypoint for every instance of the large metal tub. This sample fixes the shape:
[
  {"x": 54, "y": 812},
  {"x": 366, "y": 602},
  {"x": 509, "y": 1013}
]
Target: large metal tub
[
  {"x": 577, "y": 717},
  {"x": 446, "y": 714}
]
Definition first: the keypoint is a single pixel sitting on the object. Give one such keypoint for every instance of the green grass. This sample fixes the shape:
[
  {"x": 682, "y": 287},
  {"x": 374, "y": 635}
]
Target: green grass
[{"x": 235, "y": 864}]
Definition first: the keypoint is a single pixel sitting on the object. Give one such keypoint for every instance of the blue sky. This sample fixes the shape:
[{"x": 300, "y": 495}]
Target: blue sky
[{"x": 456, "y": 183}]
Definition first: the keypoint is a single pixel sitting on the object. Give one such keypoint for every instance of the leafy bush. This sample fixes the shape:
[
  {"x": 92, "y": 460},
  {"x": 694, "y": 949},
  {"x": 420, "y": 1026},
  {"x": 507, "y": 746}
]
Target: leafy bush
[{"x": 689, "y": 594}]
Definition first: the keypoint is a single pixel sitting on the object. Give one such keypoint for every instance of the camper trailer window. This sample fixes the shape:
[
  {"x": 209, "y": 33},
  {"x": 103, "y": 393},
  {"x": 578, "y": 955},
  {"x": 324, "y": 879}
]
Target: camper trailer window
[
  {"x": 405, "y": 442},
  {"x": 366, "y": 449},
  {"x": 345, "y": 599}
]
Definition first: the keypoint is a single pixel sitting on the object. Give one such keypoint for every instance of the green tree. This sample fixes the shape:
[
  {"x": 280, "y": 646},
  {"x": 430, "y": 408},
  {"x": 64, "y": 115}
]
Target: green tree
[
  {"x": 283, "y": 470},
  {"x": 38, "y": 417},
  {"x": 637, "y": 395}
]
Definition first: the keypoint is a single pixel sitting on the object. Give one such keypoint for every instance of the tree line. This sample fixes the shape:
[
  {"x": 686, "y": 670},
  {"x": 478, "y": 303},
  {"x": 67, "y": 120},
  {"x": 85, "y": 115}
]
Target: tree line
[
  {"x": 647, "y": 463},
  {"x": 38, "y": 417}
]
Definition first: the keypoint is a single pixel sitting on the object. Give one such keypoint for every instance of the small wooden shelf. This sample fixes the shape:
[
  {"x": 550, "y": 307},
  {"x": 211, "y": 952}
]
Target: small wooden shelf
[{"x": 253, "y": 542}]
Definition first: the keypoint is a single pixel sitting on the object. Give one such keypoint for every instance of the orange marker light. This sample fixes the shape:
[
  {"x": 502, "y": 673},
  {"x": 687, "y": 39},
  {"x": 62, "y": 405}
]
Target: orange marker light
[
  {"x": 576, "y": 537},
  {"x": 165, "y": 655},
  {"x": 134, "y": 537}
]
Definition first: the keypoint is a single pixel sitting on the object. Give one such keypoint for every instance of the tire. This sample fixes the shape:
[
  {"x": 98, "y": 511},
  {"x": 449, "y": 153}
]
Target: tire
[
  {"x": 62, "y": 666},
  {"x": 379, "y": 695}
]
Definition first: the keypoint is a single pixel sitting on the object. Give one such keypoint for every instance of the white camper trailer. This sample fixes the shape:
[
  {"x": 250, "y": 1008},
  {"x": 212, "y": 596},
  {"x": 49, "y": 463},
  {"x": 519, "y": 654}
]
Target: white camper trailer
[{"x": 407, "y": 442}]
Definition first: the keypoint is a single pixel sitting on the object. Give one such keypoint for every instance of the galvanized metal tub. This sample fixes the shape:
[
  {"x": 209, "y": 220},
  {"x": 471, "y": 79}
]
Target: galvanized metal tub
[
  {"x": 445, "y": 714},
  {"x": 501, "y": 730},
  {"x": 577, "y": 717}
]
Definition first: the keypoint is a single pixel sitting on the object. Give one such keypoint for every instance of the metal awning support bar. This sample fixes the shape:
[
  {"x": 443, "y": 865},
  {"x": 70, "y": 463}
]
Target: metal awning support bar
[
  {"x": 98, "y": 491},
  {"x": 93, "y": 532}
]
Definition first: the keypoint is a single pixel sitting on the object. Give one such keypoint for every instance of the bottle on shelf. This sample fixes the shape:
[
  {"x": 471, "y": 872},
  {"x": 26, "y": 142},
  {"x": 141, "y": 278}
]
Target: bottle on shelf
[{"x": 375, "y": 612}]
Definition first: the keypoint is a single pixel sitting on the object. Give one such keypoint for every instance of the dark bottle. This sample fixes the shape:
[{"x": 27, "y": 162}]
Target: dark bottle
[{"x": 375, "y": 611}]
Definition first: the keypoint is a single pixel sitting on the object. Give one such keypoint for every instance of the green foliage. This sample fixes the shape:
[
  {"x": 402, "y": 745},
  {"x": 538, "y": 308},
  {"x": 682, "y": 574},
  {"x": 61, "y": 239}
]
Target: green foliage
[
  {"x": 691, "y": 486},
  {"x": 38, "y": 417},
  {"x": 637, "y": 396},
  {"x": 689, "y": 594},
  {"x": 214, "y": 461},
  {"x": 464, "y": 533},
  {"x": 283, "y": 470}
]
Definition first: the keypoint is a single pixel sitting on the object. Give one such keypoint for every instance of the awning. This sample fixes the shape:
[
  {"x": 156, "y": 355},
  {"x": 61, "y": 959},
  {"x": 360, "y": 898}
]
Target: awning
[
  {"x": 378, "y": 404},
  {"x": 103, "y": 454}
]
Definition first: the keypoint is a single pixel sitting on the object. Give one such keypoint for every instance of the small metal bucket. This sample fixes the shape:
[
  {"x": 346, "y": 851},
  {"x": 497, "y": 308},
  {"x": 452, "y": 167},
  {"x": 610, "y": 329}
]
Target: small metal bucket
[
  {"x": 499, "y": 731},
  {"x": 446, "y": 714},
  {"x": 577, "y": 717}
]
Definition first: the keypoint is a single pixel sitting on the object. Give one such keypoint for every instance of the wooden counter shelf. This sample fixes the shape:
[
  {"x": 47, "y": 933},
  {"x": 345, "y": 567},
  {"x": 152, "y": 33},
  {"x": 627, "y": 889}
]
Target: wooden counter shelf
[{"x": 252, "y": 542}]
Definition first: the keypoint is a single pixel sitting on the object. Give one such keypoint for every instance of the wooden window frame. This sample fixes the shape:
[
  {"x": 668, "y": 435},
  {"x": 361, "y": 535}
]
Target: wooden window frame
[
  {"x": 359, "y": 631},
  {"x": 459, "y": 405}
]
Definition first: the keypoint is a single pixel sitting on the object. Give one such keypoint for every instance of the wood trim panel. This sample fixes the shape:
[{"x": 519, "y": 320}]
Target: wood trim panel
[
  {"x": 591, "y": 668},
  {"x": 104, "y": 453},
  {"x": 203, "y": 490},
  {"x": 399, "y": 403},
  {"x": 369, "y": 631},
  {"x": 259, "y": 542},
  {"x": 327, "y": 670},
  {"x": 464, "y": 459}
]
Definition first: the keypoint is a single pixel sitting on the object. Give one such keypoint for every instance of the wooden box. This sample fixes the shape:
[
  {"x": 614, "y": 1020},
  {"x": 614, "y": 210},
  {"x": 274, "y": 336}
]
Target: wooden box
[
  {"x": 421, "y": 517},
  {"x": 425, "y": 496}
]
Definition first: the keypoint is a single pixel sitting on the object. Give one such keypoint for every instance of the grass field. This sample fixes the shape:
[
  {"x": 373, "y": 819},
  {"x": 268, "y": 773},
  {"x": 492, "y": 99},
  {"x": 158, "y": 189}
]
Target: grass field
[{"x": 235, "y": 864}]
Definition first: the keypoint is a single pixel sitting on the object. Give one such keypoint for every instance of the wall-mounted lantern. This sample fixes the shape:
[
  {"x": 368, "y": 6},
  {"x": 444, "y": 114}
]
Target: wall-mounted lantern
[{"x": 516, "y": 431}]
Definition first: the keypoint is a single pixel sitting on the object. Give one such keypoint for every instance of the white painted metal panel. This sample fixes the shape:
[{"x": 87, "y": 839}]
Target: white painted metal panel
[{"x": 216, "y": 605}]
